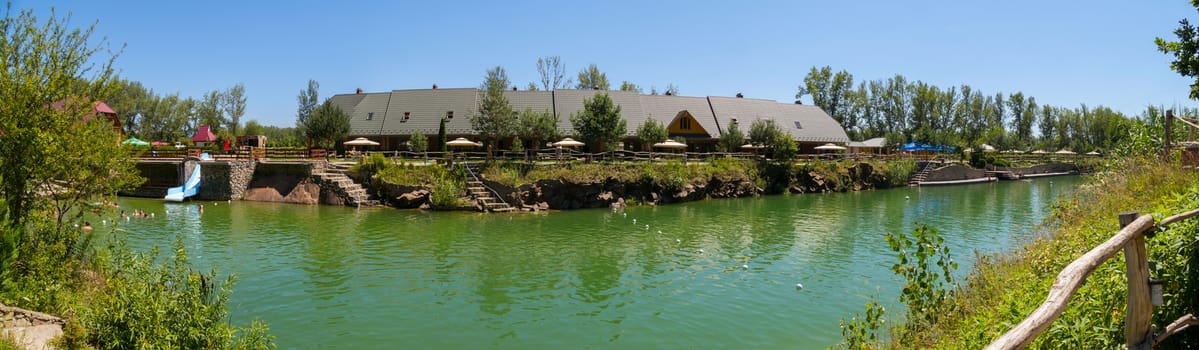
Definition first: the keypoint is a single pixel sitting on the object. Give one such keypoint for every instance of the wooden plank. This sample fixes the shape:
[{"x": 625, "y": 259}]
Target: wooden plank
[
  {"x": 1138, "y": 315},
  {"x": 1066, "y": 284}
]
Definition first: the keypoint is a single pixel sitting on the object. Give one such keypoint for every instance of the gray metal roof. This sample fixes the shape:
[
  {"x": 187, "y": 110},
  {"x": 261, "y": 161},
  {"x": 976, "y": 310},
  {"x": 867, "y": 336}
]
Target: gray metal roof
[
  {"x": 877, "y": 142},
  {"x": 665, "y": 108},
  {"x": 426, "y": 107},
  {"x": 804, "y": 123}
]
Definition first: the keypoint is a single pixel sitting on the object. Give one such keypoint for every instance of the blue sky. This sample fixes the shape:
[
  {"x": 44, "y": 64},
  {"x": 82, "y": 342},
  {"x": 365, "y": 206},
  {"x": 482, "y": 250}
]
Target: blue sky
[{"x": 1062, "y": 53}]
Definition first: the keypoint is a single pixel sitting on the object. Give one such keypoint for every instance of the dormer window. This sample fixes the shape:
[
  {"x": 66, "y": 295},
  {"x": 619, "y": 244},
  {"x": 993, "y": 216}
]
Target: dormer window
[
  {"x": 407, "y": 115},
  {"x": 370, "y": 115}
]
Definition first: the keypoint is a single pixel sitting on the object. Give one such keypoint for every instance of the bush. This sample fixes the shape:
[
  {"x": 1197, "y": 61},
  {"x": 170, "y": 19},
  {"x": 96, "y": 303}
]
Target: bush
[
  {"x": 374, "y": 164},
  {"x": 448, "y": 188},
  {"x": 158, "y": 306}
]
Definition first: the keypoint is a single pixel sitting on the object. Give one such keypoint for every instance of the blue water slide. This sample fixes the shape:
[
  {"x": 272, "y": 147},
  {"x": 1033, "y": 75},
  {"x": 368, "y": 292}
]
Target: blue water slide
[{"x": 189, "y": 188}]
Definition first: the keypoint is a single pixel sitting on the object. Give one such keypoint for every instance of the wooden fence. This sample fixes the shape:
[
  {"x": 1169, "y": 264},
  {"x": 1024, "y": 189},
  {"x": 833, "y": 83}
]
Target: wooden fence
[{"x": 1138, "y": 316}]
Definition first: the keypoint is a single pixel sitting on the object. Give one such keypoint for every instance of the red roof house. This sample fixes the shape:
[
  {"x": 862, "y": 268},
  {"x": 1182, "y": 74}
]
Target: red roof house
[
  {"x": 204, "y": 136},
  {"x": 99, "y": 109}
]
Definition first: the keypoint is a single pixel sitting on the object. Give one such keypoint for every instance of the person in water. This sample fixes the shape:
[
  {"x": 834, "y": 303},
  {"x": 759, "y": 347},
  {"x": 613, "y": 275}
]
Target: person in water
[{"x": 87, "y": 226}]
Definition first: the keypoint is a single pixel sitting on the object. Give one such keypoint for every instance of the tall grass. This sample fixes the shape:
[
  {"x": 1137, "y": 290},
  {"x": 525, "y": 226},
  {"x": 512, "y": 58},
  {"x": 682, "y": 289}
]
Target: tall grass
[{"x": 1004, "y": 289}]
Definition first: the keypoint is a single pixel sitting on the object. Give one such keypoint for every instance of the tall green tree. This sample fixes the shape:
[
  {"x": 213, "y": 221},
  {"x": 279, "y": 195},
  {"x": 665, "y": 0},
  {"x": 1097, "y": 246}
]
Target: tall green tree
[
  {"x": 552, "y": 73},
  {"x": 327, "y": 125},
  {"x": 307, "y": 100},
  {"x": 252, "y": 127},
  {"x": 51, "y": 160},
  {"x": 1185, "y": 52},
  {"x": 651, "y": 132},
  {"x": 418, "y": 141},
  {"x": 599, "y": 124},
  {"x": 441, "y": 139},
  {"x": 829, "y": 91},
  {"x": 234, "y": 106},
  {"x": 210, "y": 112},
  {"x": 630, "y": 87},
  {"x": 765, "y": 132},
  {"x": 538, "y": 126},
  {"x": 732, "y": 139},
  {"x": 495, "y": 120},
  {"x": 591, "y": 78}
]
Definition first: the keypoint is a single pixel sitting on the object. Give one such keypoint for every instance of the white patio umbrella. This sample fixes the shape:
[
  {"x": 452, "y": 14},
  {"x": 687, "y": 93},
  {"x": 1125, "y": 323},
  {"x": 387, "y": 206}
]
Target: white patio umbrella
[
  {"x": 463, "y": 142},
  {"x": 987, "y": 148},
  {"x": 1039, "y": 152},
  {"x": 752, "y": 146},
  {"x": 830, "y": 147},
  {"x": 1092, "y": 153},
  {"x": 670, "y": 143},
  {"x": 1065, "y": 151},
  {"x": 361, "y": 141},
  {"x": 568, "y": 142}
]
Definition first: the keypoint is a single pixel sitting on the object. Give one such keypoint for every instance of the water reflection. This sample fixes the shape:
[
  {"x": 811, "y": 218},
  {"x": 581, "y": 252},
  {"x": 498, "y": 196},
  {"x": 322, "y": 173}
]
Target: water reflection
[{"x": 717, "y": 273}]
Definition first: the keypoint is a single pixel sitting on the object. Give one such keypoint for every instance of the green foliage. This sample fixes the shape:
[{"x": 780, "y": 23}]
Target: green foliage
[
  {"x": 374, "y": 164},
  {"x": 651, "y": 132},
  {"x": 591, "y": 78},
  {"x": 169, "y": 305},
  {"x": 732, "y": 139},
  {"x": 517, "y": 145},
  {"x": 899, "y": 171},
  {"x": 538, "y": 126},
  {"x": 766, "y": 132},
  {"x": 630, "y": 87},
  {"x": 448, "y": 188},
  {"x": 327, "y": 125},
  {"x": 495, "y": 120},
  {"x": 441, "y": 139},
  {"x": 926, "y": 287},
  {"x": 418, "y": 141},
  {"x": 830, "y": 92},
  {"x": 233, "y": 103},
  {"x": 1185, "y": 52},
  {"x": 861, "y": 332},
  {"x": 307, "y": 100},
  {"x": 599, "y": 124},
  {"x": 252, "y": 127}
]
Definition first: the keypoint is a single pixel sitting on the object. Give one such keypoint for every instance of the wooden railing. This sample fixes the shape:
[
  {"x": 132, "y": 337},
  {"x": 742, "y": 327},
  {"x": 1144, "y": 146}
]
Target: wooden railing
[{"x": 1138, "y": 332}]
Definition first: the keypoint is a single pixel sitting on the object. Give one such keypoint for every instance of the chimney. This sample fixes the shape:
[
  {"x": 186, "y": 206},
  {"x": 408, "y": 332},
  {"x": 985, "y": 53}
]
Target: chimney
[
  {"x": 798, "y": 102},
  {"x": 513, "y": 88},
  {"x": 669, "y": 94},
  {"x": 359, "y": 92},
  {"x": 434, "y": 86},
  {"x": 739, "y": 95}
]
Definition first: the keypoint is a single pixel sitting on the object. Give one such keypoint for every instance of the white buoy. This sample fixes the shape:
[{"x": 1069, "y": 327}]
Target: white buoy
[
  {"x": 624, "y": 214},
  {"x": 676, "y": 240},
  {"x": 659, "y": 231},
  {"x": 104, "y": 222},
  {"x": 745, "y": 267},
  {"x": 151, "y": 214},
  {"x": 634, "y": 221},
  {"x": 646, "y": 227},
  {"x": 799, "y": 286},
  {"x": 906, "y": 197},
  {"x": 701, "y": 251}
]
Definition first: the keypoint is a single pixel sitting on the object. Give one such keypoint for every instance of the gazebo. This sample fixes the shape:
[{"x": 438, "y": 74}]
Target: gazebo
[{"x": 204, "y": 137}]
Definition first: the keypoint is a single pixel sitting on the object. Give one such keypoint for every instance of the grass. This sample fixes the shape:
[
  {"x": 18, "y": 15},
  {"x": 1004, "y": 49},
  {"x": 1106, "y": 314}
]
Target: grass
[{"x": 1004, "y": 289}]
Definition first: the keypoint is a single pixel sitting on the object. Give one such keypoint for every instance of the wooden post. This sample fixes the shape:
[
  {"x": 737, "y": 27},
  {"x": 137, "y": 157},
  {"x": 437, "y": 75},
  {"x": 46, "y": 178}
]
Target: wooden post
[
  {"x": 1139, "y": 311},
  {"x": 1169, "y": 133}
]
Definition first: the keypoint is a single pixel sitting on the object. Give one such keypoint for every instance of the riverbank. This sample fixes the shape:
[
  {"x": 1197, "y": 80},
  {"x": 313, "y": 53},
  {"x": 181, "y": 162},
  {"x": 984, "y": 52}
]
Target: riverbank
[
  {"x": 1003, "y": 289},
  {"x": 601, "y": 185}
]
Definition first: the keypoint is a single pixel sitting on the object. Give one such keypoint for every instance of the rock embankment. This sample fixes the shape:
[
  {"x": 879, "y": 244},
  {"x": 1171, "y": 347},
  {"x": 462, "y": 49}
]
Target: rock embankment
[
  {"x": 561, "y": 194},
  {"x": 30, "y": 329}
]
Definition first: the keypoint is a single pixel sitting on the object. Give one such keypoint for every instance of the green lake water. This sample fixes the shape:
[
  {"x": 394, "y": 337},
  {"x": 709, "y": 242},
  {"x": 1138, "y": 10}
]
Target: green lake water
[{"x": 333, "y": 277}]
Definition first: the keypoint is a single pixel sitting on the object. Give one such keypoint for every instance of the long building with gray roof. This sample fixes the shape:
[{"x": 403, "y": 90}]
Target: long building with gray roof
[{"x": 391, "y": 117}]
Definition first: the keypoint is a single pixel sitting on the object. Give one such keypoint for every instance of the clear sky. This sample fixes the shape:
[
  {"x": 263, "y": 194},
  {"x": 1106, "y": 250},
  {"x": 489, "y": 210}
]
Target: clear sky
[{"x": 1063, "y": 53}]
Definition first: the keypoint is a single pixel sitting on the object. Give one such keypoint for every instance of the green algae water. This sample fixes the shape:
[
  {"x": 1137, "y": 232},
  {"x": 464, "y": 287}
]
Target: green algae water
[{"x": 713, "y": 274}]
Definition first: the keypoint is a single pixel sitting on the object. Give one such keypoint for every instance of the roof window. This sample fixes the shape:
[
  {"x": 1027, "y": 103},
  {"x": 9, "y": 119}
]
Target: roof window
[
  {"x": 798, "y": 125},
  {"x": 370, "y": 115}
]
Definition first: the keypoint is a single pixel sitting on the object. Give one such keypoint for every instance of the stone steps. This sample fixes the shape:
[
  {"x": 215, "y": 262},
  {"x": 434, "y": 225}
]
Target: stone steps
[
  {"x": 482, "y": 194},
  {"x": 357, "y": 195}
]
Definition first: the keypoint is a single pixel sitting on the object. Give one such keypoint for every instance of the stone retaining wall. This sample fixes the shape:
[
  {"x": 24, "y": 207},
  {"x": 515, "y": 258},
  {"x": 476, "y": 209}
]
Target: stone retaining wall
[{"x": 225, "y": 180}]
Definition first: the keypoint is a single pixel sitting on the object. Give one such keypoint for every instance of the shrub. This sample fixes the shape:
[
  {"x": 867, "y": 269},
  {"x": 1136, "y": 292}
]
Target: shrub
[{"x": 168, "y": 305}]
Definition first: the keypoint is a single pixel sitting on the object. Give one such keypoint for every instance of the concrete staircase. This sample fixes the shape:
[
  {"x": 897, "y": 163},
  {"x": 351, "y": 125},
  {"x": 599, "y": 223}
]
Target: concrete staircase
[
  {"x": 354, "y": 193},
  {"x": 921, "y": 174},
  {"x": 489, "y": 200}
]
